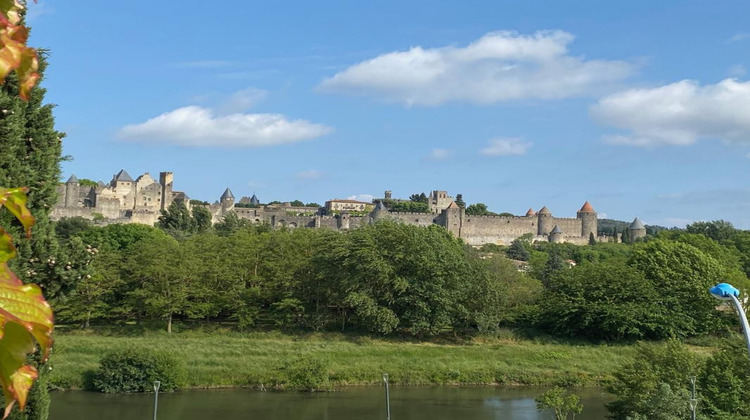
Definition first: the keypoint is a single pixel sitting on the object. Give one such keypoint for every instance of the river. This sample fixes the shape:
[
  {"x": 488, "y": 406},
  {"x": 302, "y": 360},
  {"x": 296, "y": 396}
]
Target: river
[{"x": 412, "y": 403}]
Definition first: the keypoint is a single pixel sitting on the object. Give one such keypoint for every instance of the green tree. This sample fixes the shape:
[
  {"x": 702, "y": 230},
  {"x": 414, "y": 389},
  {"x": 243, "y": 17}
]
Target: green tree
[
  {"x": 85, "y": 182},
  {"x": 201, "y": 219},
  {"x": 460, "y": 201},
  {"x": 518, "y": 250},
  {"x": 625, "y": 236},
  {"x": 718, "y": 230},
  {"x": 419, "y": 198},
  {"x": 67, "y": 227},
  {"x": 725, "y": 382},
  {"x": 605, "y": 301},
  {"x": 297, "y": 203},
  {"x": 681, "y": 274},
  {"x": 166, "y": 280},
  {"x": 313, "y": 204},
  {"x": 639, "y": 383},
  {"x": 562, "y": 405},
  {"x": 478, "y": 209},
  {"x": 230, "y": 223},
  {"x": 176, "y": 219},
  {"x": 592, "y": 239}
]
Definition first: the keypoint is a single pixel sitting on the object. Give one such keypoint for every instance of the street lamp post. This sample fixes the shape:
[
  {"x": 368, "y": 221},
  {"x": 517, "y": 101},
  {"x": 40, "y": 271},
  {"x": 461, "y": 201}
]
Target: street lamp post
[
  {"x": 157, "y": 384},
  {"x": 693, "y": 400},
  {"x": 725, "y": 291},
  {"x": 387, "y": 398}
]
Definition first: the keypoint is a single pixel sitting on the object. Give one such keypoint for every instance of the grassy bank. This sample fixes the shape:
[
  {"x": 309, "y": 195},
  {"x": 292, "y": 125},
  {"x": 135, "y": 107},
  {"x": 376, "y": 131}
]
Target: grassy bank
[{"x": 226, "y": 359}]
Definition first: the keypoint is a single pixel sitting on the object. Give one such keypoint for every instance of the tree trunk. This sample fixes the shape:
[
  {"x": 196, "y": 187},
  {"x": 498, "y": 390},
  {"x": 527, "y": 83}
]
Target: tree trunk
[
  {"x": 169, "y": 323},
  {"x": 88, "y": 318}
]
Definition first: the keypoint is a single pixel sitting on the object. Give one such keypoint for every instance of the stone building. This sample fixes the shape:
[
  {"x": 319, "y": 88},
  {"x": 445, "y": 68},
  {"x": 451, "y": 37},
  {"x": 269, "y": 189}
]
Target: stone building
[{"x": 124, "y": 200}]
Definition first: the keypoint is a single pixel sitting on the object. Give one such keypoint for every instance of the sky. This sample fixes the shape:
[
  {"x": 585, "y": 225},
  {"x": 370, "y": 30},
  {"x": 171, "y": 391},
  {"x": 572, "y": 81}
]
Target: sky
[{"x": 640, "y": 107}]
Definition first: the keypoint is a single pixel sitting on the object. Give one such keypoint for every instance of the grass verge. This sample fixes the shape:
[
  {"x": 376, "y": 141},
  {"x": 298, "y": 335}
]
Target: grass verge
[{"x": 230, "y": 359}]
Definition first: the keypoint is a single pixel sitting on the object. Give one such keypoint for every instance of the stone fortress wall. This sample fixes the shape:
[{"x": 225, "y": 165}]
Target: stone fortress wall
[{"x": 124, "y": 200}]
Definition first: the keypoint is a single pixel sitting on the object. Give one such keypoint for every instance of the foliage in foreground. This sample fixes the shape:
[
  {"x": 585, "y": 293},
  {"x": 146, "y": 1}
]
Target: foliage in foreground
[
  {"x": 562, "y": 405},
  {"x": 656, "y": 384},
  {"x": 135, "y": 370}
]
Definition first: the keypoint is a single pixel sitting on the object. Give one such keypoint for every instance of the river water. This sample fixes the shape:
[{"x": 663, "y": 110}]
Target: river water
[{"x": 412, "y": 403}]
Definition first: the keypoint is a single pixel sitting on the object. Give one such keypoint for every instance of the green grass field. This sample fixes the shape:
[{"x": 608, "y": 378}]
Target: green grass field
[{"x": 230, "y": 359}]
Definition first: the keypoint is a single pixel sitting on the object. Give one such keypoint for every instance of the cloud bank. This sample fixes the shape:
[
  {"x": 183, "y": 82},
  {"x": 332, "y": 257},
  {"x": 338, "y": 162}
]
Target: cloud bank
[
  {"x": 500, "y": 66},
  {"x": 195, "y": 126},
  {"x": 678, "y": 114}
]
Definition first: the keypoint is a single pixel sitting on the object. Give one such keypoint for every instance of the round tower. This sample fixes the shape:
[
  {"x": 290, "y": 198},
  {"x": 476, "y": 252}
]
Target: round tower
[
  {"x": 379, "y": 212},
  {"x": 589, "y": 223},
  {"x": 544, "y": 221},
  {"x": 556, "y": 235},
  {"x": 72, "y": 188},
  {"x": 637, "y": 230},
  {"x": 343, "y": 220},
  {"x": 227, "y": 201}
]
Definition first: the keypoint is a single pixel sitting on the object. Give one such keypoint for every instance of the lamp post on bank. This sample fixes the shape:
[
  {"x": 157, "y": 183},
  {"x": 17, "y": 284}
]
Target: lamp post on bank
[
  {"x": 725, "y": 291},
  {"x": 157, "y": 384}
]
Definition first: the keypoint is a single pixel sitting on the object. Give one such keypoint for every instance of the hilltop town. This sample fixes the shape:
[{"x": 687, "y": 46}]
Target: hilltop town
[{"x": 141, "y": 200}]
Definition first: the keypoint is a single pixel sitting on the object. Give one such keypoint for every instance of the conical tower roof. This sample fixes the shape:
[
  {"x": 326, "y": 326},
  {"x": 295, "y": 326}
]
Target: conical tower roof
[
  {"x": 637, "y": 224},
  {"x": 72, "y": 180},
  {"x": 587, "y": 208},
  {"x": 254, "y": 199},
  {"x": 123, "y": 176},
  {"x": 544, "y": 210},
  {"x": 453, "y": 205},
  {"x": 227, "y": 194},
  {"x": 556, "y": 229},
  {"x": 530, "y": 212}
]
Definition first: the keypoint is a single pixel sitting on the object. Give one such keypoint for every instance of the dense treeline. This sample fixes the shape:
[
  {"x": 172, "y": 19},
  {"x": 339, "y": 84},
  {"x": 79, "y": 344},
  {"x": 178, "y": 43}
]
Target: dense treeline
[{"x": 392, "y": 278}]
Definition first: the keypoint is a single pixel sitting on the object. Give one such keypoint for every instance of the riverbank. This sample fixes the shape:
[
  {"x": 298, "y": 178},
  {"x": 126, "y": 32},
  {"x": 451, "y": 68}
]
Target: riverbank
[{"x": 229, "y": 359}]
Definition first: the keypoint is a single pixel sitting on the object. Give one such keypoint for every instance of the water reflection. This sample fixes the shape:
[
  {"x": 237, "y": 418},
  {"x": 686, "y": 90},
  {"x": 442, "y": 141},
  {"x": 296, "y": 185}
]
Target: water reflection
[{"x": 412, "y": 403}]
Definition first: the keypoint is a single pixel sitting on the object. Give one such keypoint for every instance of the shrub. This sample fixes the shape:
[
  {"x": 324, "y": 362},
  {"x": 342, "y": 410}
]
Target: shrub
[
  {"x": 305, "y": 373},
  {"x": 135, "y": 370}
]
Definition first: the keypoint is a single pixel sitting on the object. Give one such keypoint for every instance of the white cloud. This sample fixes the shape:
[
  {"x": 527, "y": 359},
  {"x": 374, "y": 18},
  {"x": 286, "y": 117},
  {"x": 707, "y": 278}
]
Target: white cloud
[
  {"x": 195, "y": 126},
  {"x": 602, "y": 215},
  {"x": 500, "y": 66},
  {"x": 311, "y": 174},
  {"x": 439, "y": 154},
  {"x": 243, "y": 100},
  {"x": 367, "y": 198},
  {"x": 680, "y": 113},
  {"x": 739, "y": 36},
  {"x": 506, "y": 146}
]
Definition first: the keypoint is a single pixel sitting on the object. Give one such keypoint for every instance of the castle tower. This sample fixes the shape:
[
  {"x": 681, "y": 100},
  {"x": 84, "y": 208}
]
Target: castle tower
[
  {"x": 388, "y": 195},
  {"x": 530, "y": 213},
  {"x": 439, "y": 200},
  {"x": 72, "y": 188},
  {"x": 378, "y": 213},
  {"x": 637, "y": 230},
  {"x": 254, "y": 200},
  {"x": 166, "y": 179},
  {"x": 589, "y": 222},
  {"x": 343, "y": 220},
  {"x": 556, "y": 235},
  {"x": 453, "y": 216},
  {"x": 544, "y": 221},
  {"x": 227, "y": 201}
]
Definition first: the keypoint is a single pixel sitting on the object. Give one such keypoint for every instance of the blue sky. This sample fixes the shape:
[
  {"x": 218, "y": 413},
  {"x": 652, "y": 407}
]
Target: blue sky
[{"x": 642, "y": 108}]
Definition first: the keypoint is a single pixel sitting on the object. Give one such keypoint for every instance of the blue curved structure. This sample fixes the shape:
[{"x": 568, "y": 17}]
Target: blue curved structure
[{"x": 725, "y": 291}]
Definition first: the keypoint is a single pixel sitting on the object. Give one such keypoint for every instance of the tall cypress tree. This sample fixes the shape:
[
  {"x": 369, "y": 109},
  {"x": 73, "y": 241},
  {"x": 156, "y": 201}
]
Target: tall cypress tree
[{"x": 30, "y": 155}]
